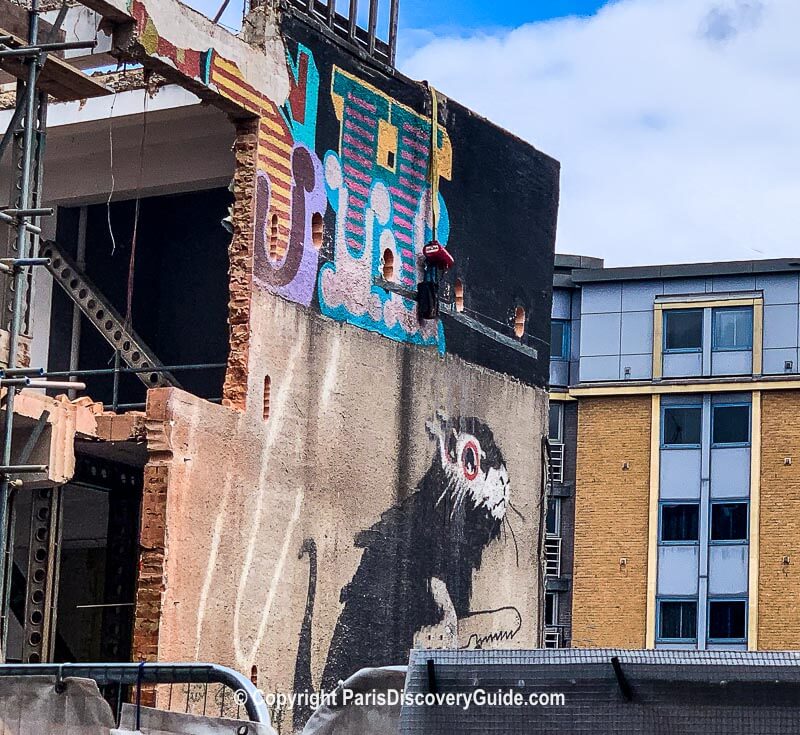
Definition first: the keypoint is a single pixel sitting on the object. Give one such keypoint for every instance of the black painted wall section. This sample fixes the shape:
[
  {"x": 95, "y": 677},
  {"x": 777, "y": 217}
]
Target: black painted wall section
[{"x": 502, "y": 201}]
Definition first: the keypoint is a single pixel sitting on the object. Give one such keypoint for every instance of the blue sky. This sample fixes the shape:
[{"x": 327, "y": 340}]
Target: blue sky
[
  {"x": 675, "y": 121},
  {"x": 483, "y": 14},
  {"x": 445, "y": 16}
]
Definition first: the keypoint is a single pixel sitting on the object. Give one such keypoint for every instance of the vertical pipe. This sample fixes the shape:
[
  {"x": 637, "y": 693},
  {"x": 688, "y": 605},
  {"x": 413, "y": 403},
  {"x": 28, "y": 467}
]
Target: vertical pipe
[
  {"x": 19, "y": 277},
  {"x": 75, "y": 344},
  {"x": 373, "y": 24},
  {"x": 352, "y": 20},
  {"x": 393, "y": 16}
]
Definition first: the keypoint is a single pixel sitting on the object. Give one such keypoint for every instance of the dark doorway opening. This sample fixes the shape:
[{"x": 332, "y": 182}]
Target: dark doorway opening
[{"x": 75, "y": 563}]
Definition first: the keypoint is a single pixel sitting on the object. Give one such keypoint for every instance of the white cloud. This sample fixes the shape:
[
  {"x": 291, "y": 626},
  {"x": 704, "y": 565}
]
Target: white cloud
[{"x": 677, "y": 122}]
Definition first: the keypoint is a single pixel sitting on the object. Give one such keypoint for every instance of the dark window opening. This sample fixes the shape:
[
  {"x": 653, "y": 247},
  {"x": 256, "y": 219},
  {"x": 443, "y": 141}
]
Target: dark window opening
[
  {"x": 682, "y": 425},
  {"x": 559, "y": 340},
  {"x": 729, "y": 521},
  {"x": 553, "y": 518},
  {"x": 683, "y": 330},
  {"x": 677, "y": 620},
  {"x": 731, "y": 424},
  {"x": 180, "y": 290},
  {"x": 680, "y": 522},
  {"x": 727, "y": 620},
  {"x": 551, "y": 608},
  {"x": 95, "y": 518}
]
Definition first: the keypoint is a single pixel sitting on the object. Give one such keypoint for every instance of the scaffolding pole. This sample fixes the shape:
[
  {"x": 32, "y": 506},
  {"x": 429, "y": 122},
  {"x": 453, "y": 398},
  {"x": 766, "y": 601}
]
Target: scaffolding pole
[{"x": 26, "y": 130}]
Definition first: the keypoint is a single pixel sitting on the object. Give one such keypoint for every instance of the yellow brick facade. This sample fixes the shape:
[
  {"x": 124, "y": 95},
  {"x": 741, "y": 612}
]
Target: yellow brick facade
[
  {"x": 779, "y": 582},
  {"x": 611, "y": 522}
]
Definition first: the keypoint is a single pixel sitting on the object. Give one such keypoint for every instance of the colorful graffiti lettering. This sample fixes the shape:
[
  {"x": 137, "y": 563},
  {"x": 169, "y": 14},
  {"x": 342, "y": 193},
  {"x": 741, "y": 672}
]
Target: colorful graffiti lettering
[
  {"x": 377, "y": 186},
  {"x": 290, "y": 189},
  {"x": 289, "y": 185}
]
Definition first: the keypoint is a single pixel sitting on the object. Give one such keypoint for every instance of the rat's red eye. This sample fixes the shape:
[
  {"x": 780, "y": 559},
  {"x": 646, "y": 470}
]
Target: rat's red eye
[{"x": 470, "y": 461}]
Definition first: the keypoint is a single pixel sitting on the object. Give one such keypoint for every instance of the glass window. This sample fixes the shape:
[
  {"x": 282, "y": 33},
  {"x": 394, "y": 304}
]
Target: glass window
[
  {"x": 682, "y": 425},
  {"x": 683, "y": 330},
  {"x": 680, "y": 522},
  {"x": 678, "y": 620},
  {"x": 556, "y": 415},
  {"x": 733, "y": 328},
  {"x": 727, "y": 619},
  {"x": 553, "y": 519},
  {"x": 559, "y": 339},
  {"x": 731, "y": 424},
  {"x": 729, "y": 521},
  {"x": 551, "y": 608}
]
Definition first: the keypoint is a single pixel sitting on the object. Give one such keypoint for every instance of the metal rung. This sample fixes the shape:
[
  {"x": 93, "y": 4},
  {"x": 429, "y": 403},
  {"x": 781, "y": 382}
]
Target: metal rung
[
  {"x": 40, "y": 212},
  {"x": 98, "y": 310},
  {"x": 13, "y": 469}
]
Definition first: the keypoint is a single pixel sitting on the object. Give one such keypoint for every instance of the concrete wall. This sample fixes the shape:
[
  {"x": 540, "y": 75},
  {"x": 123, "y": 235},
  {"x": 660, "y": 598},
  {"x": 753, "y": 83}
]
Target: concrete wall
[
  {"x": 310, "y": 543},
  {"x": 611, "y": 522}
]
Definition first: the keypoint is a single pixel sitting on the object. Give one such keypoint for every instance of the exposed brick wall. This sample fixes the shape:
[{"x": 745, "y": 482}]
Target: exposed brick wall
[
  {"x": 779, "y": 583},
  {"x": 153, "y": 534},
  {"x": 611, "y": 522},
  {"x": 241, "y": 263}
]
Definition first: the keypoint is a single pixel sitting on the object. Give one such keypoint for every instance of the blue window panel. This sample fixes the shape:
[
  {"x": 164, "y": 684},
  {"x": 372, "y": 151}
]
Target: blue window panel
[
  {"x": 727, "y": 569},
  {"x": 682, "y": 364},
  {"x": 600, "y": 334},
  {"x": 775, "y": 362},
  {"x": 639, "y": 367},
  {"x": 730, "y": 424},
  {"x": 559, "y": 373},
  {"x": 599, "y": 368},
  {"x": 779, "y": 289},
  {"x": 780, "y": 326},
  {"x": 730, "y": 472},
  {"x": 601, "y": 298},
  {"x": 727, "y": 620},
  {"x": 683, "y": 330},
  {"x": 640, "y": 295},
  {"x": 729, "y": 362},
  {"x": 730, "y": 520},
  {"x": 681, "y": 426},
  {"x": 679, "y": 522},
  {"x": 676, "y": 620},
  {"x": 562, "y": 303},
  {"x": 559, "y": 339},
  {"x": 720, "y": 284},
  {"x": 677, "y": 569},
  {"x": 680, "y": 473},
  {"x": 732, "y": 328},
  {"x": 637, "y": 332}
]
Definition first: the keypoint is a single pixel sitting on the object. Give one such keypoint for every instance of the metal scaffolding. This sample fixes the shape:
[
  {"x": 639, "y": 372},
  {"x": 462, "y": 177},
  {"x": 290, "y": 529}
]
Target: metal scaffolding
[{"x": 39, "y": 74}]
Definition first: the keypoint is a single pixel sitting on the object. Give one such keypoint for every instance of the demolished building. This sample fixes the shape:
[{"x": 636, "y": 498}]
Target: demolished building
[{"x": 277, "y": 464}]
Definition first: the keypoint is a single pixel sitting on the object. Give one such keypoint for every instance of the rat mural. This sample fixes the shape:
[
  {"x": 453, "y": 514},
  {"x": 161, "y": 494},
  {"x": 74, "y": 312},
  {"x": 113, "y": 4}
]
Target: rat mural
[{"x": 414, "y": 581}]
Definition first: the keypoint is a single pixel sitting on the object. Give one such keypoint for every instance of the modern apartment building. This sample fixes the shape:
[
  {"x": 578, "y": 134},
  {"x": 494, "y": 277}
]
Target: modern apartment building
[{"x": 674, "y": 396}]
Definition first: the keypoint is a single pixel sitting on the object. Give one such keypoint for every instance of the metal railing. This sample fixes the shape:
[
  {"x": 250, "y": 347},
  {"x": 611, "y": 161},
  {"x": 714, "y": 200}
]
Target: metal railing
[
  {"x": 347, "y": 26},
  {"x": 552, "y": 555},
  {"x": 556, "y": 461},
  {"x": 235, "y": 693}
]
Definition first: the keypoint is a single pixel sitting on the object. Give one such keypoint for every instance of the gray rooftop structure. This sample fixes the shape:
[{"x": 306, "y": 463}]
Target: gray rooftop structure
[
  {"x": 684, "y": 270},
  {"x": 609, "y": 691}
]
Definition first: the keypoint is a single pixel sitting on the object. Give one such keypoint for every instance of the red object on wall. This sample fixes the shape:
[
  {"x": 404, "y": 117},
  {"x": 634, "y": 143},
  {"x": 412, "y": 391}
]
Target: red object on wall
[{"x": 438, "y": 256}]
